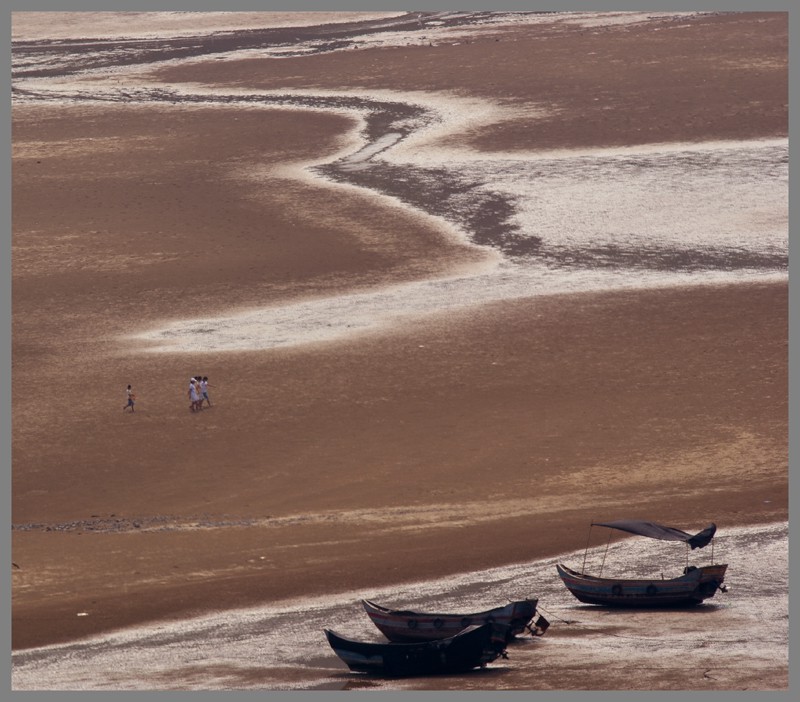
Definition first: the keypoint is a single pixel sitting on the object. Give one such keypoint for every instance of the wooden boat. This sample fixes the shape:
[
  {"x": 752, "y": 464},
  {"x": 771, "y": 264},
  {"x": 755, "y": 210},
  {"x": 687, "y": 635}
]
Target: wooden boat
[
  {"x": 472, "y": 647},
  {"x": 695, "y": 584},
  {"x": 402, "y": 625}
]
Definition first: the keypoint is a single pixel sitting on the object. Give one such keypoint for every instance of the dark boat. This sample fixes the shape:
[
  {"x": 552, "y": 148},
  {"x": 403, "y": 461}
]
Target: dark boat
[
  {"x": 402, "y": 625},
  {"x": 471, "y": 648},
  {"x": 695, "y": 584}
]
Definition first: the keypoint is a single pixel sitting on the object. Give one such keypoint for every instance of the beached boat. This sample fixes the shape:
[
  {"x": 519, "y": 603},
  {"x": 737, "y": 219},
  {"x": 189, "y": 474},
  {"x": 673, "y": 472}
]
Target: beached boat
[
  {"x": 403, "y": 625},
  {"x": 472, "y": 647},
  {"x": 695, "y": 584}
]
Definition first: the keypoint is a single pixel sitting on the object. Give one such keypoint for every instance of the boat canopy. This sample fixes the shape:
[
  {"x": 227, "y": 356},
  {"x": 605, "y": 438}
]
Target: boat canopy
[{"x": 665, "y": 533}]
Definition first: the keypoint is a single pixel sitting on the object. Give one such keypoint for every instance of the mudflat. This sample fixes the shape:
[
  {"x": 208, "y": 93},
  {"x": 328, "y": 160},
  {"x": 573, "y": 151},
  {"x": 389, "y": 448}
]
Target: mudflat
[{"x": 448, "y": 443}]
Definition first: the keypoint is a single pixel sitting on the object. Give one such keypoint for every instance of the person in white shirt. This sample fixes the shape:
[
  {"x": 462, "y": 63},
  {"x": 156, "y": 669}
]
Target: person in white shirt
[
  {"x": 204, "y": 385},
  {"x": 194, "y": 395}
]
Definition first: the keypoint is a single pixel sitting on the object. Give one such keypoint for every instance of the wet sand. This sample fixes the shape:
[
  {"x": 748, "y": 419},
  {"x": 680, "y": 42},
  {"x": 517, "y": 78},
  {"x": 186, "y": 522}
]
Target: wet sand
[
  {"x": 452, "y": 443},
  {"x": 735, "y": 640}
]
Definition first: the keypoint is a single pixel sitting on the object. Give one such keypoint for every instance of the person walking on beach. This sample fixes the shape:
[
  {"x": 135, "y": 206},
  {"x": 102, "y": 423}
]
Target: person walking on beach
[
  {"x": 194, "y": 395},
  {"x": 204, "y": 385},
  {"x": 131, "y": 399},
  {"x": 197, "y": 380}
]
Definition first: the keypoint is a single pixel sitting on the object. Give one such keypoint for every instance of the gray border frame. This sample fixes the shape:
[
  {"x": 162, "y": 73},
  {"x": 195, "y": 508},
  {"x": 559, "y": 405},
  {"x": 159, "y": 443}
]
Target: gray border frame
[{"x": 354, "y": 5}]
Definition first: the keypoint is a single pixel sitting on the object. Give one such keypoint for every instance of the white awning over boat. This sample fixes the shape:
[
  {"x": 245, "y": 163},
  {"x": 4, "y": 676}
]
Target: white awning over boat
[{"x": 659, "y": 531}]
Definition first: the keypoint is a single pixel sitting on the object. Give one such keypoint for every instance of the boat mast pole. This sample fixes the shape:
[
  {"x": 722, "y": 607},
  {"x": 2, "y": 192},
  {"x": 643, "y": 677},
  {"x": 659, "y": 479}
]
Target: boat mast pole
[
  {"x": 602, "y": 565},
  {"x": 586, "y": 550}
]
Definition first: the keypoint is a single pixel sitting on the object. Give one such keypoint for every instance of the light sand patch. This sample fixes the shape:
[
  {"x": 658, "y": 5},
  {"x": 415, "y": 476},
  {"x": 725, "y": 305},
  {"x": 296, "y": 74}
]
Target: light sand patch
[
  {"x": 748, "y": 456},
  {"x": 410, "y": 149},
  {"x": 38, "y": 256},
  {"x": 611, "y": 19},
  {"x": 59, "y": 25},
  {"x": 350, "y": 315},
  {"x": 435, "y": 32},
  {"x": 758, "y": 64},
  {"x": 81, "y": 146}
]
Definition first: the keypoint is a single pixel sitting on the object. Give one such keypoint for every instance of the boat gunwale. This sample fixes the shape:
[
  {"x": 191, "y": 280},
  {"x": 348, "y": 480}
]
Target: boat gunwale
[
  {"x": 510, "y": 608},
  {"x": 693, "y": 576}
]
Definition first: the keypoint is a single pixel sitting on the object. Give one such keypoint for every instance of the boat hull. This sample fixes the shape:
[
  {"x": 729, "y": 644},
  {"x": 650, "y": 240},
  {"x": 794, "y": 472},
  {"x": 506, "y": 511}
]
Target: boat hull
[
  {"x": 695, "y": 586},
  {"x": 471, "y": 648},
  {"x": 405, "y": 626}
]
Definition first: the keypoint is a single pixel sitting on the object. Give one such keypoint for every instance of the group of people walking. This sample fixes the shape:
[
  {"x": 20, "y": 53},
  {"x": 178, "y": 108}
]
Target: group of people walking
[{"x": 198, "y": 392}]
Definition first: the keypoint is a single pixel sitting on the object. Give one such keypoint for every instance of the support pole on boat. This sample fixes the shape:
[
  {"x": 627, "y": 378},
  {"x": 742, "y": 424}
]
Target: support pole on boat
[
  {"x": 604, "y": 554},
  {"x": 586, "y": 550}
]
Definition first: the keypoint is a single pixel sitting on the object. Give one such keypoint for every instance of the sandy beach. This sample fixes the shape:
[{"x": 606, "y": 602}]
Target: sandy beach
[{"x": 416, "y": 446}]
